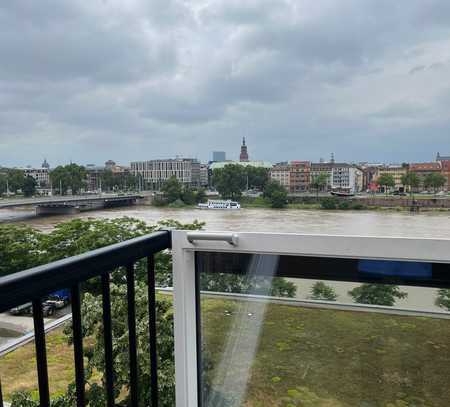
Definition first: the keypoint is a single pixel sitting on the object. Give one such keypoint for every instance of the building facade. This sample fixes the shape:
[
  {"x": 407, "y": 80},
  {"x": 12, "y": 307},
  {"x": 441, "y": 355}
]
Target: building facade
[
  {"x": 156, "y": 172},
  {"x": 282, "y": 174},
  {"x": 294, "y": 176},
  {"x": 204, "y": 175},
  {"x": 396, "y": 171},
  {"x": 300, "y": 177},
  {"x": 424, "y": 169},
  {"x": 445, "y": 168},
  {"x": 346, "y": 178}
]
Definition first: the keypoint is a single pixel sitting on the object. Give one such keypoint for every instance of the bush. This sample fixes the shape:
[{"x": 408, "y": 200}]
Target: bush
[
  {"x": 177, "y": 204},
  {"x": 322, "y": 291},
  {"x": 358, "y": 206},
  {"x": 344, "y": 205},
  {"x": 329, "y": 203}
]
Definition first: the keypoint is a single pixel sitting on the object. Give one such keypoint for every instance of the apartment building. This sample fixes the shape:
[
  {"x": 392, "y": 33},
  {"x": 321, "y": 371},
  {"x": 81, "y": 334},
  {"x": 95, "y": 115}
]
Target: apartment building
[
  {"x": 424, "y": 169},
  {"x": 396, "y": 171},
  {"x": 346, "y": 178},
  {"x": 282, "y": 174},
  {"x": 156, "y": 172},
  {"x": 294, "y": 176}
]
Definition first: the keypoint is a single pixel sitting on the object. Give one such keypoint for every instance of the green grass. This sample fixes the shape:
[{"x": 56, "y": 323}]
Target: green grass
[
  {"x": 302, "y": 357},
  {"x": 309, "y": 357}
]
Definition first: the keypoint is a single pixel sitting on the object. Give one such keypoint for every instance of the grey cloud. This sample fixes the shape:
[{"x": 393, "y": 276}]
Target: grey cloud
[{"x": 166, "y": 77}]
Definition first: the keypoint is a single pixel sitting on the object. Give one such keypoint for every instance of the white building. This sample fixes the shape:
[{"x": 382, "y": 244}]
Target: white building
[
  {"x": 282, "y": 174},
  {"x": 156, "y": 172},
  {"x": 346, "y": 178}
]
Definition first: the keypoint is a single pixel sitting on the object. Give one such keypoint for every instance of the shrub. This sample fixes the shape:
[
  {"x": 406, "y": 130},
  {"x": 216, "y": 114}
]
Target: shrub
[
  {"x": 344, "y": 205},
  {"x": 329, "y": 203}
]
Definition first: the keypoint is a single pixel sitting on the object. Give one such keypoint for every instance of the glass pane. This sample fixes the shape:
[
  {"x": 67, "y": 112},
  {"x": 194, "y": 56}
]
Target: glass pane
[{"x": 269, "y": 338}]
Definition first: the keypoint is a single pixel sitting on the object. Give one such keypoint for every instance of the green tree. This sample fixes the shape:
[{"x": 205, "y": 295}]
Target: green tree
[
  {"x": 200, "y": 196},
  {"x": 3, "y": 183},
  {"x": 276, "y": 194},
  {"x": 443, "y": 298},
  {"x": 230, "y": 181},
  {"x": 434, "y": 181},
  {"x": 16, "y": 179},
  {"x": 20, "y": 248},
  {"x": 29, "y": 186},
  {"x": 172, "y": 189},
  {"x": 318, "y": 182},
  {"x": 67, "y": 177},
  {"x": 188, "y": 196},
  {"x": 377, "y": 294},
  {"x": 322, "y": 291},
  {"x": 387, "y": 181},
  {"x": 257, "y": 177},
  {"x": 411, "y": 180}
]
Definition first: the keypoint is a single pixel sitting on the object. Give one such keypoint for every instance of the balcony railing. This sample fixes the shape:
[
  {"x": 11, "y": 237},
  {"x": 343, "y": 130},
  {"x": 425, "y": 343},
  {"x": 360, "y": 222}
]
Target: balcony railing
[
  {"x": 232, "y": 328},
  {"x": 35, "y": 284}
]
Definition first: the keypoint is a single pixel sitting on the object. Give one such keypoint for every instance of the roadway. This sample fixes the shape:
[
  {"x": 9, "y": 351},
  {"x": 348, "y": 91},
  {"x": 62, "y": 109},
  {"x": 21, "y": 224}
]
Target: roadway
[{"x": 65, "y": 200}]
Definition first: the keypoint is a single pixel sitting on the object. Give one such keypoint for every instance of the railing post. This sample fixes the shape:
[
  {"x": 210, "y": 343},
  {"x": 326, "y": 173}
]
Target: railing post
[
  {"x": 184, "y": 291},
  {"x": 107, "y": 335},
  {"x": 152, "y": 331},
  {"x": 41, "y": 354},
  {"x": 78, "y": 345},
  {"x": 134, "y": 391}
]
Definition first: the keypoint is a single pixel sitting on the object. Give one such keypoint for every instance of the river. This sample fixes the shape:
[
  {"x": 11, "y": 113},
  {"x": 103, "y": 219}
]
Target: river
[{"x": 361, "y": 223}]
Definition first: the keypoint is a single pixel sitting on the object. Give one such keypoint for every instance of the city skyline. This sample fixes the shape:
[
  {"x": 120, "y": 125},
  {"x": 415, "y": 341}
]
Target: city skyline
[{"x": 85, "y": 81}]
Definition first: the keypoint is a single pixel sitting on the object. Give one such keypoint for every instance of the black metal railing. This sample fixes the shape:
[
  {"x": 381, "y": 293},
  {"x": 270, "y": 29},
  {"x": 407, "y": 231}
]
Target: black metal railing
[{"x": 34, "y": 284}]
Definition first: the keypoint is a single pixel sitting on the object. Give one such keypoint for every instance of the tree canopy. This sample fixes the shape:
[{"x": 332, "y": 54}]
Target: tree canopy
[
  {"x": 387, "y": 181},
  {"x": 411, "y": 180},
  {"x": 276, "y": 194},
  {"x": 65, "y": 177},
  {"x": 434, "y": 181},
  {"x": 230, "y": 181}
]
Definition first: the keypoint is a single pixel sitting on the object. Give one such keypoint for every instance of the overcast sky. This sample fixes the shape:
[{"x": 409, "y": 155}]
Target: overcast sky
[{"x": 130, "y": 80}]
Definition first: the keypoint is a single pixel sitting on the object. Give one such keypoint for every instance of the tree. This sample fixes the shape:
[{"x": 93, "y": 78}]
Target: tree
[
  {"x": 200, "y": 196},
  {"x": 377, "y": 294},
  {"x": 172, "y": 189},
  {"x": 411, "y": 180},
  {"x": 65, "y": 177},
  {"x": 15, "y": 179},
  {"x": 443, "y": 298},
  {"x": 230, "y": 181},
  {"x": 434, "y": 181},
  {"x": 318, "y": 182},
  {"x": 387, "y": 181},
  {"x": 321, "y": 291},
  {"x": 257, "y": 177},
  {"x": 188, "y": 196},
  {"x": 3, "y": 183},
  {"x": 29, "y": 186},
  {"x": 276, "y": 194},
  {"x": 20, "y": 248}
]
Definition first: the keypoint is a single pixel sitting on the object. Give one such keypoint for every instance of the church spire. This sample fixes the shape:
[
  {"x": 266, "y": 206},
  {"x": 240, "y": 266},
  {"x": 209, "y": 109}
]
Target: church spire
[{"x": 244, "y": 154}]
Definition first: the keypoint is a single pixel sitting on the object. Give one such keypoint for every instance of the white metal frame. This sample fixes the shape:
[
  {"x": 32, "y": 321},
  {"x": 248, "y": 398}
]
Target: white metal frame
[{"x": 185, "y": 244}]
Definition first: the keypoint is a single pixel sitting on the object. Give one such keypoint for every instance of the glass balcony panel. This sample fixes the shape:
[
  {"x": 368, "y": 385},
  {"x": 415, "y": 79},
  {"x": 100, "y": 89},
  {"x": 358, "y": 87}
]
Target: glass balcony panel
[{"x": 270, "y": 338}]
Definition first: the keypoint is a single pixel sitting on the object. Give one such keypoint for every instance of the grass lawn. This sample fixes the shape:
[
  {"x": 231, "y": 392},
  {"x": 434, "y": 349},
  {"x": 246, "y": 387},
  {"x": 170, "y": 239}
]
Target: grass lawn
[
  {"x": 282, "y": 355},
  {"x": 292, "y": 356},
  {"x": 18, "y": 368}
]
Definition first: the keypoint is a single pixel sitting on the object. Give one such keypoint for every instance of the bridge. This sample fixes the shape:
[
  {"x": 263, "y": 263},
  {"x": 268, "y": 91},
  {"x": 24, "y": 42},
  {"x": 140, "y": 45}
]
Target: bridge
[{"x": 65, "y": 205}]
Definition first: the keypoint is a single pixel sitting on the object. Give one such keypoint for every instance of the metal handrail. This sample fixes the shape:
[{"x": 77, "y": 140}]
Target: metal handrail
[{"x": 34, "y": 283}]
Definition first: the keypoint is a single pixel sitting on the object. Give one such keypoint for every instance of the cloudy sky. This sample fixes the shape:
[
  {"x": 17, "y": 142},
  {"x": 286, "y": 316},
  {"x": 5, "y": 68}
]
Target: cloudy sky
[{"x": 128, "y": 80}]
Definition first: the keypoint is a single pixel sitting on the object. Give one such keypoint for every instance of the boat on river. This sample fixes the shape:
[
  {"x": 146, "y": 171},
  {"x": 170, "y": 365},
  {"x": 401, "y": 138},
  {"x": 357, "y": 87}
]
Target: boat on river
[{"x": 220, "y": 204}]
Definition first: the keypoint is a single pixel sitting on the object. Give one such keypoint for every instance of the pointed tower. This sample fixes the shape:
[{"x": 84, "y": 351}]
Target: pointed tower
[{"x": 244, "y": 154}]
